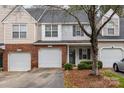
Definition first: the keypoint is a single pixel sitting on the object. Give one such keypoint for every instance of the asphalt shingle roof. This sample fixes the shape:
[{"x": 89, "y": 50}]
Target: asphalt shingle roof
[
  {"x": 55, "y": 16},
  {"x": 35, "y": 12},
  {"x": 60, "y": 16},
  {"x": 64, "y": 41}
]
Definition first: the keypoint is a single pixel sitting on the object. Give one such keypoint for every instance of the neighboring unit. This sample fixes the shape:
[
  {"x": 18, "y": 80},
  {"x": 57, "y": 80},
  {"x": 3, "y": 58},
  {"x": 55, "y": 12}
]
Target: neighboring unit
[{"x": 49, "y": 38}]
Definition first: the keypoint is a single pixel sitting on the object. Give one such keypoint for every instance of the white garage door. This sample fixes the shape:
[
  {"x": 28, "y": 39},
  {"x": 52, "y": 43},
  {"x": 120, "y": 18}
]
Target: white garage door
[
  {"x": 109, "y": 56},
  {"x": 50, "y": 58},
  {"x": 19, "y": 62}
]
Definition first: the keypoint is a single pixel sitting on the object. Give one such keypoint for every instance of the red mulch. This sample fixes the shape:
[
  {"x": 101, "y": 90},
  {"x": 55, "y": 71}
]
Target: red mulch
[{"x": 83, "y": 79}]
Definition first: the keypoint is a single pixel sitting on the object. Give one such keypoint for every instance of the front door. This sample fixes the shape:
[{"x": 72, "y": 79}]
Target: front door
[{"x": 72, "y": 55}]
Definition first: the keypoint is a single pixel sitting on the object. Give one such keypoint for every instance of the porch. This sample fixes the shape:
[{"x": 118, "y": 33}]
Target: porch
[{"x": 76, "y": 53}]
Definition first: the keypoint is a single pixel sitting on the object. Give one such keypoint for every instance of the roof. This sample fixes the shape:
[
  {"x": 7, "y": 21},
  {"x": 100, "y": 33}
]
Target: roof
[
  {"x": 62, "y": 41},
  {"x": 35, "y": 12},
  {"x": 56, "y": 16},
  {"x": 1, "y": 44},
  {"x": 14, "y": 9},
  {"x": 60, "y": 16},
  {"x": 9, "y": 13}
]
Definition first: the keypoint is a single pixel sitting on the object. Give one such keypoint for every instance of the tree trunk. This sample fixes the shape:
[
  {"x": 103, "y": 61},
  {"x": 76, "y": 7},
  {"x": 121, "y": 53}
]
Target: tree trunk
[{"x": 94, "y": 49}]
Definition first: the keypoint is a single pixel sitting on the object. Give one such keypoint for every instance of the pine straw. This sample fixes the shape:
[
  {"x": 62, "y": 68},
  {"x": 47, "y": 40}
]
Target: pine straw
[{"x": 83, "y": 79}]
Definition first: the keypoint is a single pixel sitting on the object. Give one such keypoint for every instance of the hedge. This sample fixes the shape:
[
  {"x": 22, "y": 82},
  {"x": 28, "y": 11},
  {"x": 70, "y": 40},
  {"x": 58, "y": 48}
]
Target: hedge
[
  {"x": 87, "y": 64},
  {"x": 68, "y": 66}
]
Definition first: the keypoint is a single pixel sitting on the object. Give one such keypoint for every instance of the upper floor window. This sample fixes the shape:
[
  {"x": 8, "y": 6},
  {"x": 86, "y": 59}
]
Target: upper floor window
[
  {"x": 19, "y": 31},
  {"x": 51, "y": 30},
  {"x": 110, "y": 28},
  {"x": 77, "y": 31}
]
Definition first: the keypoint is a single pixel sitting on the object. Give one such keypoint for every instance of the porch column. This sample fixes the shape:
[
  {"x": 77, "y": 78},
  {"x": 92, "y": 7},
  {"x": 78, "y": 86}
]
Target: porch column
[{"x": 67, "y": 53}]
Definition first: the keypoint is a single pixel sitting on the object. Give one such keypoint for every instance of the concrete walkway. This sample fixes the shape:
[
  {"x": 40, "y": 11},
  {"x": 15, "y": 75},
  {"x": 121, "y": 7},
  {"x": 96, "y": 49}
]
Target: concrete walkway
[{"x": 38, "y": 78}]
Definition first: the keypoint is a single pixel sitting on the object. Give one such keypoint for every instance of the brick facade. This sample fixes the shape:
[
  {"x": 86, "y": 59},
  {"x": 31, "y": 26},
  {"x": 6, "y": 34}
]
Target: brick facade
[{"x": 9, "y": 48}]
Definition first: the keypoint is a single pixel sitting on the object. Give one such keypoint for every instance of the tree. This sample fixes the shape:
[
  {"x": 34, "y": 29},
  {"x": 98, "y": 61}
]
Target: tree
[
  {"x": 106, "y": 8},
  {"x": 92, "y": 12}
]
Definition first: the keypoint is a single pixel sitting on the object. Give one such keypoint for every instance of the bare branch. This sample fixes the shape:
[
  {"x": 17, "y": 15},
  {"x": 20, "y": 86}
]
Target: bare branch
[
  {"x": 79, "y": 23},
  {"x": 98, "y": 31},
  {"x": 85, "y": 9},
  {"x": 97, "y": 10}
]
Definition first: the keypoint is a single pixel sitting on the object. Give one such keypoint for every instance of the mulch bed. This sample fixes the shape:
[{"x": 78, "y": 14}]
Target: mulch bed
[{"x": 83, "y": 79}]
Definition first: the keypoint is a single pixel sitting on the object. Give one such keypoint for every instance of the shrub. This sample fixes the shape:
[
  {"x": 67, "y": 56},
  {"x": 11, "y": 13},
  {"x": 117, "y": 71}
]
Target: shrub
[
  {"x": 83, "y": 66},
  {"x": 68, "y": 66},
  {"x": 87, "y": 64},
  {"x": 100, "y": 64}
]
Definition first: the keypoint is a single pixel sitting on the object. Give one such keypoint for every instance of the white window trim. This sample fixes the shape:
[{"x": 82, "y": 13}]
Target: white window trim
[
  {"x": 51, "y": 38},
  {"x": 19, "y": 30},
  {"x": 109, "y": 27},
  {"x": 84, "y": 53},
  {"x": 76, "y": 32},
  {"x": 51, "y": 31}
]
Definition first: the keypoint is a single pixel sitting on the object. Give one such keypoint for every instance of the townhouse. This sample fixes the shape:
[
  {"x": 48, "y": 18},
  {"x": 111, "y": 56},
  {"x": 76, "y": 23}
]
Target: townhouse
[{"x": 49, "y": 38}]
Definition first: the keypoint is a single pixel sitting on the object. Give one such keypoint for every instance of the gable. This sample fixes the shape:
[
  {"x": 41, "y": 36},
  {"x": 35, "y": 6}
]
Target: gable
[
  {"x": 19, "y": 15},
  {"x": 108, "y": 14},
  {"x": 115, "y": 20}
]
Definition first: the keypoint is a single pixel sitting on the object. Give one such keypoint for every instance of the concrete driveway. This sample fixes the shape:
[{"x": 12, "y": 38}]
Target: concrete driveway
[{"x": 37, "y": 78}]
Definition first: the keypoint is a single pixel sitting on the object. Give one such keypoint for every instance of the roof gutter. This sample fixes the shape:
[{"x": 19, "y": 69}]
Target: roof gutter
[
  {"x": 62, "y": 44},
  {"x": 110, "y": 40}
]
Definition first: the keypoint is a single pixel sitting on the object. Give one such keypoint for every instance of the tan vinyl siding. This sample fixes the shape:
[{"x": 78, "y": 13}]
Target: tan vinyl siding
[
  {"x": 19, "y": 17},
  {"x": 39, "y": 32},
  {"x": 10, "y": 40},
  {"x": 3, "y": 13},
  {"x": 67, "y": 33},
  {"x": 115, "y": 19},
  {"x": 116, "y": 27}
]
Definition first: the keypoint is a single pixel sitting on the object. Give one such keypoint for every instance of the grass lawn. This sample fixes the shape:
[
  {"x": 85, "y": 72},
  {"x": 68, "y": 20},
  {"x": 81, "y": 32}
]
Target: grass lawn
[
  {"x": 114, "y": 76},
  {"x": 83, "y": 79}
]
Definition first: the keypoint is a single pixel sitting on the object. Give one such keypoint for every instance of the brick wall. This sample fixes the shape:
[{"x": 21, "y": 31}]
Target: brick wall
[{"x": 9, "y": 48}]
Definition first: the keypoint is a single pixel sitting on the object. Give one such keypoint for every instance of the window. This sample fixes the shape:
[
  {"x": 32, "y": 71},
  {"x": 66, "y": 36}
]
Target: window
[
  {"x": 77, "y": 31},
  {"x": 19, "y": 31},
  {"x": 15, "y": 31},
  {"x": 51, "y": 30},
  {"x": 110, "y": 28},
  {"x": 110, "y": 31},
  {"x": 84, "y": 53},
  {"x": 48, "y": 30}
]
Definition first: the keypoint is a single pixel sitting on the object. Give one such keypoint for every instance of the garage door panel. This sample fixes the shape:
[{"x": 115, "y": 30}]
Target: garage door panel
[
  {"x": 109, "y": 56},
  {"x": 50, "y": 58},
  {"x": 19, "y": 62}
]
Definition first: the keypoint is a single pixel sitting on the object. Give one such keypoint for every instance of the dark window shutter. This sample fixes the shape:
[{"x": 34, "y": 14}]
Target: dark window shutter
[
  {"x": 88, "y": 53},
  {"x": 80, "y": 53},
  {"x": 74, "y": 32},
  {"x": 82, "y": 33}
]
